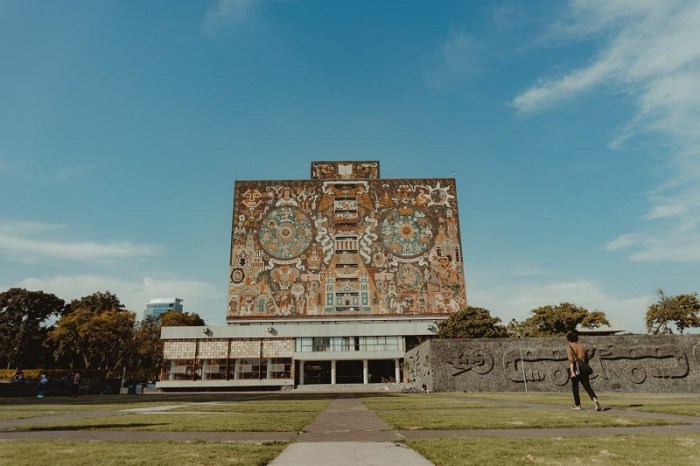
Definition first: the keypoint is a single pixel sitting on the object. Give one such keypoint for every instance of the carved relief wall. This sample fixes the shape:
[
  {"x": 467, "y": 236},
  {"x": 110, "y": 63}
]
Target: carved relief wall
[
  {"x": 345, "y": 245},
  {"x": 634, "y": 363}
]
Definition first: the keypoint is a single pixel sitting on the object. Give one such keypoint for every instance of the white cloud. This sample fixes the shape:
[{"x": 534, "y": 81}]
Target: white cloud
[
  {"x": 199, "y": 297},
  {"x": 227, "y": 11},
  {"x": 650, "y": 52},
  {"x": 515, "y": 301},
  {"x": 28, "y": 242},
  {"x": 40, "y": 175},
  {"x": 458, "y": 58}
]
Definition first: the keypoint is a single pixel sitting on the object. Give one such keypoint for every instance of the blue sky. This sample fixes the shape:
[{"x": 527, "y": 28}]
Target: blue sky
[{"x": 572, "y": 128}]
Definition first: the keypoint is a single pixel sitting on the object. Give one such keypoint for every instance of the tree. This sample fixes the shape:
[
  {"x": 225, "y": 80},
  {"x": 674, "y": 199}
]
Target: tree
[
  {"x": 472, "y": 322},
  {"x": 180, "y": 319},
  {"x": 148, "y": 355},
  {"x": 560, "y": 319},
  {"x": 147, "y": 358},
  {"x": 23, "y": 325},
  {"x": 680, "y": 310},
  {"x": 97, "y": 333}
]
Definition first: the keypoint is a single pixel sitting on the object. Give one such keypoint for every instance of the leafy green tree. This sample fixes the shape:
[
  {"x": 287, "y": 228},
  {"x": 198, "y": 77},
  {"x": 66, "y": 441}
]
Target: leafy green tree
[
  {"x": 180, "y": 319},
  {"x": 24, "y": 316},
  {"x": 472, "y": 322},
  {"x": 560, "y": 319},
  {"x": 97, "y": 333},
  {"x": 680, "y": 311},
  {"x": 147, "y": 358}
]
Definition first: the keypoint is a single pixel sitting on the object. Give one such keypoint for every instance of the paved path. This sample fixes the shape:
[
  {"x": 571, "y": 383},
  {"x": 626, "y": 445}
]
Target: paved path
[{"x": 346, "y": 433}]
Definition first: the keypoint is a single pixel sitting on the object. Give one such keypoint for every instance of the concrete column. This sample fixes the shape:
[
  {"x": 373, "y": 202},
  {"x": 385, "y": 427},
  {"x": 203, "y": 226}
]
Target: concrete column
[
  {"x": 397, "y": 370},
  {"x": 269, "y": 368},
  {"x": 365, "y": 372},
  {"x": 236, "y": 369},
  {"x": 333, "y": 372},
  {"x": 205, "y": 369},
  {"x": 301, "y": 372}
]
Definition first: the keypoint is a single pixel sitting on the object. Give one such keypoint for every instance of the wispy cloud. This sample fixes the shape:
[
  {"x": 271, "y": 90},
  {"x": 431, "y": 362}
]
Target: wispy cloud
[
  {"x": 28, "y": 242},
  {"x": 200, "y": 297},
  {"x": 228, "y": 11},
  {"x": 651, "y": 53},
  {"x": 515, "y": 301},
  {"x": 25, "y": 172},
  {"x": 457, "y": 59}
]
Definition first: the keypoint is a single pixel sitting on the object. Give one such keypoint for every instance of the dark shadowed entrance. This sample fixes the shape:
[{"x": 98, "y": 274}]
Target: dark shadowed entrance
[{"x": 348, "y": 372}]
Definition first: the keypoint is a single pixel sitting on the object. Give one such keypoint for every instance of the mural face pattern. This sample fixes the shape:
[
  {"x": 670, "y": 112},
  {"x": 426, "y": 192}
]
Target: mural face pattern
[{"x": 345, "y": 247}]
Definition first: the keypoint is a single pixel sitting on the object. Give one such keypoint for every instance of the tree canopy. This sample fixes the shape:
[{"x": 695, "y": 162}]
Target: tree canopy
[
  {"x": 680, "y": 311},
  {"x": 24, "y": 317},
  {"x": 180, "y": 319},
  {"x": 560, "y": 319},
  {"x": 472, "y": 322},
  {"x": 97, "y": 333}
]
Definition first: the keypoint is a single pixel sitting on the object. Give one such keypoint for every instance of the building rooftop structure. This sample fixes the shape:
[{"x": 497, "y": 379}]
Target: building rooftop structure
[{"x": 157, "y": 306}]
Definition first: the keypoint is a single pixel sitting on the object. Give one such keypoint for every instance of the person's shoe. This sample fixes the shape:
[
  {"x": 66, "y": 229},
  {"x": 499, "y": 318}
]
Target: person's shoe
[
  {"x": 597, "y": 405},
  {"x": 576, "y": 408}
]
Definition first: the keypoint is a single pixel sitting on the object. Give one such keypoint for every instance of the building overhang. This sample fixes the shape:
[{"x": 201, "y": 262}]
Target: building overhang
[{"x": 308, "y": 328}]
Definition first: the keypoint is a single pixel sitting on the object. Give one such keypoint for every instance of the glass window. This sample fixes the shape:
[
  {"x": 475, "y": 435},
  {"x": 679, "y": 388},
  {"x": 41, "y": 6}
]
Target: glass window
[
  {"x": 322, "y": 344},
  {"x": 179, "y": 369},
  {"x": 251, "y": 368},
  {"x": 213, "y": 369},
  {"x": 340, "y": 344},
  {"x": 280, "y": 368}
]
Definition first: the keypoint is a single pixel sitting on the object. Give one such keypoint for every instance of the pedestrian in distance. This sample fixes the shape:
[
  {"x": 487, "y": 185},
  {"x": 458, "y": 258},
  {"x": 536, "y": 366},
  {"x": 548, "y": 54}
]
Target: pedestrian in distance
[
  {"x": 579, "y": 371},
  {"x": 18, "y": 376},
  {"x": 75, "y": 386},
  {"x": 41, "y": 387}
]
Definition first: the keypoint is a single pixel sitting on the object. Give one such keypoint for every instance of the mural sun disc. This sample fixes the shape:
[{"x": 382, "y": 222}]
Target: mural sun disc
[{"x": 285, "y": 233}]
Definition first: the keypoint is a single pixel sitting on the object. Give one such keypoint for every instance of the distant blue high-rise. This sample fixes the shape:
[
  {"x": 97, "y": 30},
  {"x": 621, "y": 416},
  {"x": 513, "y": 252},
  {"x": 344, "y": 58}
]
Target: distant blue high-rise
[{"x": 158, "y": 306}]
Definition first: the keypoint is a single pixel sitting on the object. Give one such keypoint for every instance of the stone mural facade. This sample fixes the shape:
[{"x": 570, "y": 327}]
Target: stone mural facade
[
  {"x": 345, "y": 243},
  {"x": 629, "y": 363}
]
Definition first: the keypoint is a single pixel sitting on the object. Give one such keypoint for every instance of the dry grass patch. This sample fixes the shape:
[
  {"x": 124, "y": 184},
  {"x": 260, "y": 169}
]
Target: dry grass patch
[
  {"x": 667, "y": 450},
  {"x": 459, "y": 411},
  {"x": 186, "y": 422},
  {"x": 259, "y": 406},
  {"x": 63, "y": 453}
]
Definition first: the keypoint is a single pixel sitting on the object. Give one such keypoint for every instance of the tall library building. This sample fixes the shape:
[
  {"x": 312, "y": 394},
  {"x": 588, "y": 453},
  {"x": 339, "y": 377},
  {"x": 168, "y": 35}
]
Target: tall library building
[{"x": 332, "y": 279}]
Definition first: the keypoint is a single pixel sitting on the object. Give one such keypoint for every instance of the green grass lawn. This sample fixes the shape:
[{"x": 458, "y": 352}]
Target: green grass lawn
[
  {"x": 664, "y": 403},
  {"x": 193, "y": 413},
  {"x": 666, "y": 450},
  {"x": 276, "y": 412},
  {"x": 258, "y": 406},
  {"x": 466, "y": 411},
  {"x": 65, "y": 453},
  {"x": 187, "y": 422}
]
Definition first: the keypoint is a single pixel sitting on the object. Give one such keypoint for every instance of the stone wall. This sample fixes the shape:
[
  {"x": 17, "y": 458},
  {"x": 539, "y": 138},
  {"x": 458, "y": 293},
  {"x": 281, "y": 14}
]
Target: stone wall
[{"x": 630, "y": 363}]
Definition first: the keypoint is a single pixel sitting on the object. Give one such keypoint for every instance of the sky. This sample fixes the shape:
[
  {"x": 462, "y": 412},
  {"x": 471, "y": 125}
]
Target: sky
[{"x": 572, "y": 129}]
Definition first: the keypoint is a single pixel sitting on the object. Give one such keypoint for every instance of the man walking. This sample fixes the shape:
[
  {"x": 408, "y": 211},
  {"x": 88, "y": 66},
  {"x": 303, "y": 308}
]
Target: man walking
[{"x": 75, "y": 386}]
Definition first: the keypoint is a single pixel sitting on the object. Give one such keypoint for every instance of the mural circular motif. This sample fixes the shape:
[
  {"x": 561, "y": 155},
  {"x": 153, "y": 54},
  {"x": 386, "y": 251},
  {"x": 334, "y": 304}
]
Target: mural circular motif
[
  {"x": 237, "y": 275},
  {"x": 285, "y": 233},
  {"x": 438, "y": 196},
  {"x": 406, "y": 232}
]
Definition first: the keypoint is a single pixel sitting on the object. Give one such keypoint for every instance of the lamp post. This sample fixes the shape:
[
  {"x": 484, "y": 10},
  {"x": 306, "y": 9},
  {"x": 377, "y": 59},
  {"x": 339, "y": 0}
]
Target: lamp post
[{"x": 520, "y": 347}]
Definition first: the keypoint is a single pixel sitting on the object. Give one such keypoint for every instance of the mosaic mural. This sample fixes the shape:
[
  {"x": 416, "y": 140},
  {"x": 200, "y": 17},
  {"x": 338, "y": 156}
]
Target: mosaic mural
[{"x": 345, "y": 243}]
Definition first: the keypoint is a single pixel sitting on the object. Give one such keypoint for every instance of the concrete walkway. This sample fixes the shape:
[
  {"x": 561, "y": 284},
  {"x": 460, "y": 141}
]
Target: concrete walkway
[{"x": 346, "y": 433}]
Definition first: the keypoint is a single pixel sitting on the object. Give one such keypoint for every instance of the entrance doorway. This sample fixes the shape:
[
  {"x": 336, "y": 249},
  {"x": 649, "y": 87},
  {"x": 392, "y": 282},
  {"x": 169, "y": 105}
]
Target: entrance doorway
[
  {"x": 348, "y": 372},
  {"x": 380, "y": 369},
  {"x": 317, "y": 372}
]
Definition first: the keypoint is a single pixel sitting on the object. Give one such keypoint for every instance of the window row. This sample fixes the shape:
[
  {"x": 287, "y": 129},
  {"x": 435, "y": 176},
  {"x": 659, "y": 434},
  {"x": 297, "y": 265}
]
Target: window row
[
  {"x": 228, "y": 369},
  {"x": 320, "y": 344}
]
